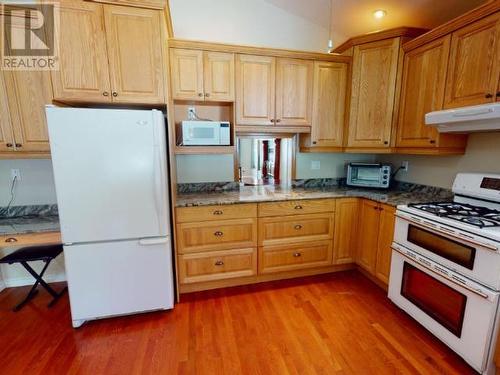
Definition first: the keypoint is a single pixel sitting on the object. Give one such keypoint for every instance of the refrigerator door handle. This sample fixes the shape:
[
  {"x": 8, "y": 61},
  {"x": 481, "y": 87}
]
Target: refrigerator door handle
[
  {"x": 159, "y": 171},
  {"x": 153, "y": 241}
]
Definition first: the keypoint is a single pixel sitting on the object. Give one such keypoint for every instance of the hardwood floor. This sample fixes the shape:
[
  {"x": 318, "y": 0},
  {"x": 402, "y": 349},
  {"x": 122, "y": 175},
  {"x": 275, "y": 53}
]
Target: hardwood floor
[{"x": 334, "y": 324}]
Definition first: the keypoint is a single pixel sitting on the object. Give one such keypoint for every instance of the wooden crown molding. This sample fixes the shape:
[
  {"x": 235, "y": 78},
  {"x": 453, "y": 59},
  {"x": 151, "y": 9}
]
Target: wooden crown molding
[
  {"x": 250, "y": 50},
  {"x": 408, "y": 32},
  {"x": 474, "y": 15}
]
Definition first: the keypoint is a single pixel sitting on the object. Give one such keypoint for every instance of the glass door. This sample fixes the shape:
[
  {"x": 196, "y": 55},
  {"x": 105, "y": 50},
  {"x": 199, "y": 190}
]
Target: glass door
[{"x": 441, "y": 302}]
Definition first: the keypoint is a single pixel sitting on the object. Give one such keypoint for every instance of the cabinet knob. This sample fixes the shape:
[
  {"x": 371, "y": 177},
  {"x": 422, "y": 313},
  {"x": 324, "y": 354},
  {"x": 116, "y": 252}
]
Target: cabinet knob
[
  {"x": 11, "y": 239},
  {"x": 19, "y": 145},
  {"x": 219, "y": 263},
  {"x": 9, "y": 145},
  {"x": 207, "y": 94},
  {"x": 296, "y": 255},
  {"x": 297, "y": 227},
  {"x": 386, "y": 142},
  {"x": 105, "y": 93},
  {"x": 218, "y": 234},
  {"x": 200, "y": 94},
  {"x": 115, "y": 94},
  {"x": 314, "y": 142},
  {"x": 218, "y": 212},
  {"x": 298, "y": 207},
  {"x": 432, "y": 141},
  {"x": 273, "y": 120},
  {"x": 278, "y": 120},
  {"x": 488, "y": 96},
  {"x": 498, "y": 94}
]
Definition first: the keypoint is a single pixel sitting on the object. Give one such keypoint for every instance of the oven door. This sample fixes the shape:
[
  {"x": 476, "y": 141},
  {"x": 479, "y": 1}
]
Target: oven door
[
  {"x": 474, "y": 259},
  {"x": 461, "y": 313}
]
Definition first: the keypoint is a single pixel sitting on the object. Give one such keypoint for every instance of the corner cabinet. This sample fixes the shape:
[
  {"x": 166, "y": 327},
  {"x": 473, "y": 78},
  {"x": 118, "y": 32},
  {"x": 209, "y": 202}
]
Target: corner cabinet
[
  {"x": 328, "y": 107},
  {"x": 110, "y": 54},
  {"x": 474, "y": 67},
  {"x": 374, "y": 74}
]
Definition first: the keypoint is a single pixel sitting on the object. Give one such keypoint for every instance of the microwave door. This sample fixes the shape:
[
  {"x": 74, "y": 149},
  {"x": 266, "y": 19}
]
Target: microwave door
[{"x": 202, "y": 135}]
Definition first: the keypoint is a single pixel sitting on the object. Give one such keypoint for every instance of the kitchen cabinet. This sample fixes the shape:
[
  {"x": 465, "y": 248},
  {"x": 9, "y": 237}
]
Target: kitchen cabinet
[
  {"x": 329, "y": 107},
  {"x": 385, "y": 237},
  {"x": 6, "y": 134},
  {"x": 273, "y": 91},
  {"x": 345, "y": 241},
  {"x": 202, "y": 75},
  {"x": 474, "y": 65},
  {"x": 369, "y": 221},
  {"x": 374, "y": 79},
  {"x": 376, "y": 226},
  {"x": 152, "y": 4},
  {"x": 110, "y": 54}
]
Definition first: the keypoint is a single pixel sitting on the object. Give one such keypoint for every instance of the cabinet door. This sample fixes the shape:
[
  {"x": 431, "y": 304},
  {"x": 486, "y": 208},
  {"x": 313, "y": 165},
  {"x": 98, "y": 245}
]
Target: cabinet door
[
  {"x": 6, "y": 136},
  {"x": 368, "y": 225},
  {"x": 385, "y": 237},
  {"x": 28, "y": 93},
  {"x": 255, "y": 90},
  {"x": 186, "y": 72},
  {"x": 423, "y": 87},
  {"x": 374, "y": 76},
  {"x": 294, "y": 84},
  {"x": 219, "y": 76},
  {"x": 134, "y": 38},
  {"x": 83, "y": 74},
  {"x": 346, "y": 233},
  {"x": 330, "y": 85},
  {"x": 474, "y": 64}
]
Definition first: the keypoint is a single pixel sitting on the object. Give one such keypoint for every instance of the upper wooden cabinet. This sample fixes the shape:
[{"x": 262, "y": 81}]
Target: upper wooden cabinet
[
  {"x": 294, "y": 91},
  {"x": 474, "y": 65},
  {"x": 329, "y": 106},
  {"x": 110, "y": 54},
  {"x": 273, "y": 91},
  {"x": 152, "y": 4},
  {"x": 6, "y": 134},
  {"x": 135, "y": 39},
  {"x": 202, "y": 75},
  {"x": 374, "y": 74},
  {"x": 422, "y": 91}
]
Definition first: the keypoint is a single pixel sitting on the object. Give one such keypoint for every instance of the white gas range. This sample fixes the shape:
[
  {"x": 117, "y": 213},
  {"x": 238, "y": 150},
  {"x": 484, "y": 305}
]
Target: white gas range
[{"x": 445, "y": 269}]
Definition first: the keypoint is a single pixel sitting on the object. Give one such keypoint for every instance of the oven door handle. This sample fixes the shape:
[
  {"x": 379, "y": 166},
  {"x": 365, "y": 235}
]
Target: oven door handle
[
  {"x": 423, "y": 224},
  {"x": 478, "y": 292}
]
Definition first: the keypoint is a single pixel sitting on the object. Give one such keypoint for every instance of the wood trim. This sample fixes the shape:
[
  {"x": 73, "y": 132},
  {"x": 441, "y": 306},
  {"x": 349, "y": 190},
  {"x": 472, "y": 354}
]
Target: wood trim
[
  {"x": 41, "y": 238},
  {"x": 272, "y": 129},
  {"x": 168, "y": 20},
  {"x": 147, "y": 4},
  {"x": 24, "y": 155},
  {"x": 197, "y": 150},
  {"x": 455, "y": 24},
  {"x": 250, "y": 50},
  {"x": 405, "y": 31},
  {"x": 189, "y": 288}
]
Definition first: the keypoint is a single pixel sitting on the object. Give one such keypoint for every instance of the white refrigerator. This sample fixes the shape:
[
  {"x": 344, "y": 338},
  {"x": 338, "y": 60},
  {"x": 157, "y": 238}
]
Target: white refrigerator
[{"x": 111, "y": 179}]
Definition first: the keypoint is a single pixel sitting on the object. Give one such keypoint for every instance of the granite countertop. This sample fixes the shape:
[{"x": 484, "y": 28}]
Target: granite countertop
[
  {"x": 28, "y": 219},
  {"x": 253, "y": 194}
]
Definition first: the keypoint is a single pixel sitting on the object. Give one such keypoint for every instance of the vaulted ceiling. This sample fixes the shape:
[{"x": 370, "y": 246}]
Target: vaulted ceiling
[{"x": 354, "y": 17}]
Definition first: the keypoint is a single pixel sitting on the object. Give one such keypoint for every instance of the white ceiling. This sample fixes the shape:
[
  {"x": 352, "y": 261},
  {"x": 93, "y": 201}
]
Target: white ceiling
[{"x": 355, "y": 17}]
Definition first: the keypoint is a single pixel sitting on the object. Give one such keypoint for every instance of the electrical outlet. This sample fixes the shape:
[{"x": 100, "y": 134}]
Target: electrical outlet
[
  {"x": 315, "y": 164},
  {"x": 191, "y": 112},
  {"x": 404, "y": 166},
  {"x": 15, "y": 173}
]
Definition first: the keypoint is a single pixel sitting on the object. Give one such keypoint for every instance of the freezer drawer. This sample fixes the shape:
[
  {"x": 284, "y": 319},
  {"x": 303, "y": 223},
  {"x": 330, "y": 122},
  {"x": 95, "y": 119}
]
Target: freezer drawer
[{"x": 117, "y": 278}]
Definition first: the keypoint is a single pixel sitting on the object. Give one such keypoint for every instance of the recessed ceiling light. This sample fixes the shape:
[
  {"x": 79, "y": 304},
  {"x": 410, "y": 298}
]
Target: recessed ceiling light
[{"x": 379, "y": 13}]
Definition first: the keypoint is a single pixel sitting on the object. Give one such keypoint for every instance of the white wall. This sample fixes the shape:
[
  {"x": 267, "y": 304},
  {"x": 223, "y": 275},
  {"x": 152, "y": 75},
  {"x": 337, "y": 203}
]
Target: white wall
[
  {"x": 331, "y": 165},
  {"x": 35, "y": 187},
  {"x": 204, "y": 168},
  {"x": 294, "y": 24},
  {"x": 482, "y": 155}
]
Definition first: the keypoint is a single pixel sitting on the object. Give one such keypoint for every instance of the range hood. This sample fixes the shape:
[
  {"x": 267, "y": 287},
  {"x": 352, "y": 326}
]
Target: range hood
[{"x": 479, "y": 118}]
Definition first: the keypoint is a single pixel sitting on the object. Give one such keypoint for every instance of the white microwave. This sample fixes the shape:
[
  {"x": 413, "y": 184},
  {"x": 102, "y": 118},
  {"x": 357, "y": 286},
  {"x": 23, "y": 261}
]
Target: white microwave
[
  {"x": 205, "y": 133},
  {"x": 369, "y": 175}
]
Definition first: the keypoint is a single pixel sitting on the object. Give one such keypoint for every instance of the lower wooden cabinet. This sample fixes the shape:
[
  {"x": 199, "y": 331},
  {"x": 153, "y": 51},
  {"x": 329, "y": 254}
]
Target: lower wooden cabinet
[
  {"x": 345, "y": 241},
  {"x": 217, "y": 265},
  {"x": 292, "y": 257},
  {"x": 376, "y": 225}
]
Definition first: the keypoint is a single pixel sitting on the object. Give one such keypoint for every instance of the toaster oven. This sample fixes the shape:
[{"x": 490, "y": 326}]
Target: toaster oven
[{"x": 369, "y": 175}]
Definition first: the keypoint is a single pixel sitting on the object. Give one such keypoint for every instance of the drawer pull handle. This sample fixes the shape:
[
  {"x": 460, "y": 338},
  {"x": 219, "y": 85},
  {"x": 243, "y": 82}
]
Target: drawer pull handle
[
  {"x": 296, "y": 255},
  {"x": 298, "y": 207},
  {"x": 219, "y": 263},
  {"x": 218, "y": 212},
  {"x": 11, "y": 239},
  {"x": 298, "y": 226},
  {"x": 218, "y": 233}
]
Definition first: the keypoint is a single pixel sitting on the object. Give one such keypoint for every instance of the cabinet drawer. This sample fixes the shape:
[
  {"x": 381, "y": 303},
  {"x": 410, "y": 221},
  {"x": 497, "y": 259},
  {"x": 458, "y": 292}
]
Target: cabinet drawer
[
  {"x": 210, "y": 235},
  {"x": 293, "y": 257},
  {"x": 219, "y": 212},
  {"x": 296, "y": 207},
  {"x": 276, "y": 230},
  {"x": 217, "y": 265}
]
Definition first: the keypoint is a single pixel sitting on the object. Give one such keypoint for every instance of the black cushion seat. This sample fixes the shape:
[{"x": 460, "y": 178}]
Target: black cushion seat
[{"x": 33, "y": 253}]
